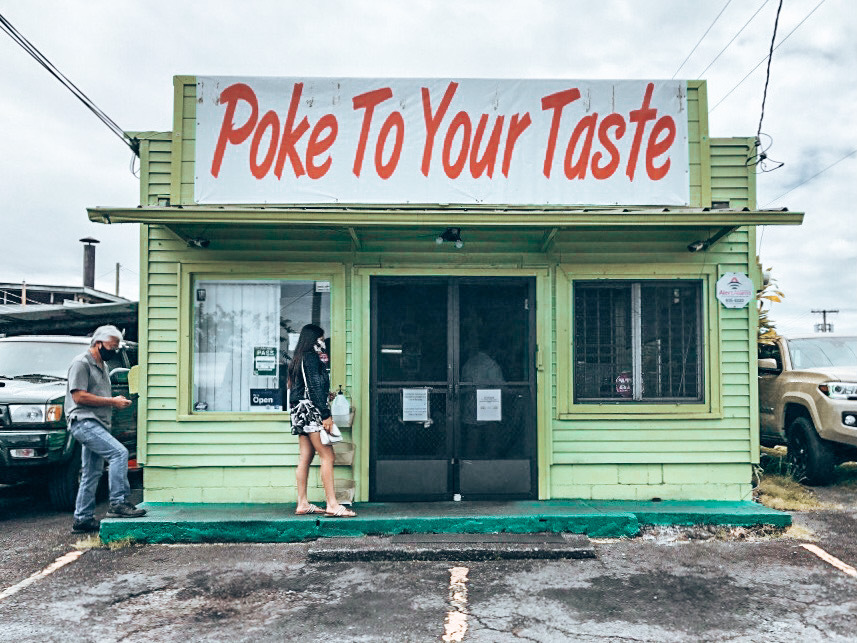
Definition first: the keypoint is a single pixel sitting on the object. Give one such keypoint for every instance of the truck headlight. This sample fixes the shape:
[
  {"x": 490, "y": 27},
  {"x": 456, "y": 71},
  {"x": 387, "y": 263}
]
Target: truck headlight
[
  {"x": 35, "y": 413},
  {"x": 839, "y": 390},
  {"x": 27, "y": 413}
]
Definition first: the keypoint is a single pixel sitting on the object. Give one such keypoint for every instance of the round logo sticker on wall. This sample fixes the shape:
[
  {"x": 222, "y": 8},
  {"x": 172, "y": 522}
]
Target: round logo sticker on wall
[{"x": 735, "y": 290}]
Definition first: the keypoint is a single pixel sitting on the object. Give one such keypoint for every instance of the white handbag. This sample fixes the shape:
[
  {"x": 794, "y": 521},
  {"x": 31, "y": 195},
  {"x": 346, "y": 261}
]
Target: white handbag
[{"x": 329, "y": 437}]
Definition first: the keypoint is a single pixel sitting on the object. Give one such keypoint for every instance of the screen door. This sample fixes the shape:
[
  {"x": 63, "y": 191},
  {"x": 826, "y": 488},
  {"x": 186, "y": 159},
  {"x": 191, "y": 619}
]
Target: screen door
[{"x": 453, "y": 388}]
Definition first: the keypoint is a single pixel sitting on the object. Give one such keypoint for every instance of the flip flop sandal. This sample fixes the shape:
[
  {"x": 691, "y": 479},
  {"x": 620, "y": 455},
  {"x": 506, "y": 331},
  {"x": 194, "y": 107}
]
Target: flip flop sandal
[
  {"x": 341, "y": 512},
  {"x": 312, "y": 509}
]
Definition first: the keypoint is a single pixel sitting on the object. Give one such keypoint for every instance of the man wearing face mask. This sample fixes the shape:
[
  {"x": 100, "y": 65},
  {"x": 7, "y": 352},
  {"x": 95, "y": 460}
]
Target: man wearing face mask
[{"x": 89, "y": 404}]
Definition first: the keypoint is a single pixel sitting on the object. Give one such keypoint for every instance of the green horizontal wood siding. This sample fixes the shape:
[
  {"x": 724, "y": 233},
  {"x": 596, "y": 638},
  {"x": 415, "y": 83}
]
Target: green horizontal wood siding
[{"x": 640, "y": 450}]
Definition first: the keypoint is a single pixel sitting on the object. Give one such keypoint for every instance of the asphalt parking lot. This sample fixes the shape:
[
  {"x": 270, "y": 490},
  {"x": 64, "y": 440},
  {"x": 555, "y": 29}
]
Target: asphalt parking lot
[
  {"x": 32, "y": 534},
  {"x": 668, "y": 585}
]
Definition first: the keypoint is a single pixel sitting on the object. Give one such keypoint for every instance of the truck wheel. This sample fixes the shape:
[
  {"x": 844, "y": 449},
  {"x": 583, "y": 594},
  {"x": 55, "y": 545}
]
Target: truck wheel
[
  {"x": 810, "y": 458},
  {"x": 63, "y": 483}
]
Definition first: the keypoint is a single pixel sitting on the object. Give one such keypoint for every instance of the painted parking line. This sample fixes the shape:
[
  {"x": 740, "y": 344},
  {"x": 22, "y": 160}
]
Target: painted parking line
[
  {"x": 833, "y": 560},
  {"x": 455, "y": 626},
  {"x": 62, "y": 561}
]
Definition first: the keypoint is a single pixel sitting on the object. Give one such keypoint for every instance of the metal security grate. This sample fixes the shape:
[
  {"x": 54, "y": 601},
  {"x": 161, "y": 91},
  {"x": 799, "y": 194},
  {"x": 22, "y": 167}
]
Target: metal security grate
[
  {"x": 603, "y": 352},
  {"x": 671, "y": 365},
  {"x": 397, "y": 438}
]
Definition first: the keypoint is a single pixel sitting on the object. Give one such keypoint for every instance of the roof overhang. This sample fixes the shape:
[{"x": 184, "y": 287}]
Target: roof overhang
[
  {"x": 404, "y": 216},
  {"x": 58, "y": 318}
]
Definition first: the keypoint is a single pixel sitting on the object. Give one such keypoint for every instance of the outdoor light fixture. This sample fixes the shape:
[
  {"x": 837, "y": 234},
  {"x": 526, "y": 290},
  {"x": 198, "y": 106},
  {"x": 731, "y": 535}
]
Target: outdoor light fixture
[
  {"x": 198, "y": 243},
  {"x": 701, "y": 245},
  {"x": 451, "y": 234}
]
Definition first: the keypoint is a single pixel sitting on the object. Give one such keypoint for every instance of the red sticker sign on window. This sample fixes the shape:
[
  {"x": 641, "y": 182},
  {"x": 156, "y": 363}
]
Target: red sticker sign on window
[{"x": 623, "y": 384}]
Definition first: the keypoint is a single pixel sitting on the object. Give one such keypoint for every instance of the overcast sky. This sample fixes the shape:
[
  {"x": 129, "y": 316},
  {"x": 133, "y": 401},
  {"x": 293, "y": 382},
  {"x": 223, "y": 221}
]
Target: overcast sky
[{"x": 56, "y": 159}]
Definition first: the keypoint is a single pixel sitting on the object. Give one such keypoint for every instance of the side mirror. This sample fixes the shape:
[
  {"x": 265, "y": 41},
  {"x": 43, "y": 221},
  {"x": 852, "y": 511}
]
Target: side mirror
[
  {"x": 119, "y": 375},
  {"x": 134, "y": 380},
  {"x": 768, "y": 365}
]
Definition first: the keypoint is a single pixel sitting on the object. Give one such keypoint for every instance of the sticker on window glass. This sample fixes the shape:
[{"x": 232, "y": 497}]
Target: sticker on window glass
[
  {"x": 293, "y": 340},
  {"x": 488, "y": 405},
  {"x": 322, "y": 286},
  {"x": 265, "y": 361},
  {"x": 623, "y": 384},
  {"x": 266, "y": 399}
]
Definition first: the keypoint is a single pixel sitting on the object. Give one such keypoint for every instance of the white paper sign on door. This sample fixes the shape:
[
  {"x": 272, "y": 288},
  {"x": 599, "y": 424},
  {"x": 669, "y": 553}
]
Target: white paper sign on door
[
  {"x": 415, "y": 405},
  {"x": 488, "y": 405}
]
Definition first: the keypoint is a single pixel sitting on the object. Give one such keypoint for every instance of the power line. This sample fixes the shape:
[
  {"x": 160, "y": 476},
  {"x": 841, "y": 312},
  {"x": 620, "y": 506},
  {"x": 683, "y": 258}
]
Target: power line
[
  {"x": 703, "y": 37},
  {"x": 40, "y": 58},
  {"x": 109, "y": 272},
  {"x": 768, "y": 72},
  {"x": 762, "y": 6},
  {"x": 851, "y": 153},
  {"x": 741, "y": 82}
]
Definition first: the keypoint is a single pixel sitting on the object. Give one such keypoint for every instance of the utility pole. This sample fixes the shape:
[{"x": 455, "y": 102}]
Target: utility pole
[
  {"x": 117, "y": 279},
  {"x": 824, "y": 327}
]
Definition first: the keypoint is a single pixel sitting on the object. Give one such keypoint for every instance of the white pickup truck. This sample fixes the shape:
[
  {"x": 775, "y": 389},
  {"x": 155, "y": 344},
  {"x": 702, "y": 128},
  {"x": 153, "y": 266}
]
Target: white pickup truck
[{"x": 808, "y": 401}]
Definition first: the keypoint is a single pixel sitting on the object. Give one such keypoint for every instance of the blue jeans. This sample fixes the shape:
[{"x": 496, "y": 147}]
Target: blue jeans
[{"x": 98, "y": 446}]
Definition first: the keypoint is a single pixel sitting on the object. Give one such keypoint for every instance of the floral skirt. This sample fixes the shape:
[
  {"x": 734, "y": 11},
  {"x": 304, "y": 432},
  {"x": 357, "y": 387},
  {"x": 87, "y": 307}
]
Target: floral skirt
[{"x": 306, "y": 418}]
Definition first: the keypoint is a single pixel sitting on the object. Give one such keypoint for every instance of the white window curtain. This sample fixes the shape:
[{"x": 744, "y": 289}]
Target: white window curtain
[{"x": 235, "y": 323}]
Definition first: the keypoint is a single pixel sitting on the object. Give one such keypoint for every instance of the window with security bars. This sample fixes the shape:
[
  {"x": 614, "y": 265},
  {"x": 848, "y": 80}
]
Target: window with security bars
[{"x": 637, "y": 341}]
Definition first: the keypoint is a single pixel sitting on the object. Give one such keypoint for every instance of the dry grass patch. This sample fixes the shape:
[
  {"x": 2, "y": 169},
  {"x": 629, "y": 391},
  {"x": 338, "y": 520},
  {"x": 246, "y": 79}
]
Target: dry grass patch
[
  {"x": 783, "y": 493},
  {"x": 95, "y": 542},
  {"x": 799, "y": 532},
  {"x": 90, "y": 542},
  {"x": 122, "y": 543},
  {"x": 663, "y": 534}
]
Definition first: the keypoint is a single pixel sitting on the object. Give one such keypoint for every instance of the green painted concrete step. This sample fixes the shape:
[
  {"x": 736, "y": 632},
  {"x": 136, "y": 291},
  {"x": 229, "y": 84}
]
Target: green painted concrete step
[{"x": 196, "y": 523}]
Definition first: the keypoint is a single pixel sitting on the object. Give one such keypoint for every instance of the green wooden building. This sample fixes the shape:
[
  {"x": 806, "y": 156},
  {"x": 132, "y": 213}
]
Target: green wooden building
[{"x": 489, "y": 349}]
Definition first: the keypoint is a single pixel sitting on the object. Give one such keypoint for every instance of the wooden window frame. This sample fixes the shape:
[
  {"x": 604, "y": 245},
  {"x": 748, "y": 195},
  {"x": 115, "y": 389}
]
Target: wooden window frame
[
  {"x": 636, "y": 306},
  {"x": 188, "y": 273},
  {"x": 710, "y": 407}
]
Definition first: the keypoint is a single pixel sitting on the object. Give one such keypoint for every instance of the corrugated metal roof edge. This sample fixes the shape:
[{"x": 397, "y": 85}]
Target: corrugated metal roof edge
[
  {"x": 18, "y": 313},
  {"x": 430, "y": 215}
]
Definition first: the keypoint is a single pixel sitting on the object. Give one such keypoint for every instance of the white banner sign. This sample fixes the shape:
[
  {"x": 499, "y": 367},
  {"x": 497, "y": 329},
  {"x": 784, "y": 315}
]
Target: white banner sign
[{"x": 361, "y": 140}]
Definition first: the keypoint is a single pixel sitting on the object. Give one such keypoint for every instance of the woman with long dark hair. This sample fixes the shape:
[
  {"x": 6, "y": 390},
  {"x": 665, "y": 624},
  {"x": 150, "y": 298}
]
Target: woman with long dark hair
[{"x": 309, "y": 392}]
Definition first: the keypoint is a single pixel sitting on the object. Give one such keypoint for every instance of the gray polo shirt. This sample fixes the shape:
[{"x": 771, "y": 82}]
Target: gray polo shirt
[{"x": 85, "y": 374}]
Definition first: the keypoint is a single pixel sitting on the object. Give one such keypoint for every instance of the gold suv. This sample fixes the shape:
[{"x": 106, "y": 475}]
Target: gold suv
[{"x": 808, "y": 401}]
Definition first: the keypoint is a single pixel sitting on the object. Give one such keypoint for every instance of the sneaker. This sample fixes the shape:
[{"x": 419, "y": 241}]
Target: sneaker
[
  {"x": 85, "y": 526},
  {"x": 125, "y": 510}
]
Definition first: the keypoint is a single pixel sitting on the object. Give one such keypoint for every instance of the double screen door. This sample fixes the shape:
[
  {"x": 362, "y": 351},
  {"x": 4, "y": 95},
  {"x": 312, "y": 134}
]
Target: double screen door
[{"x": 453, "y": 389}]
